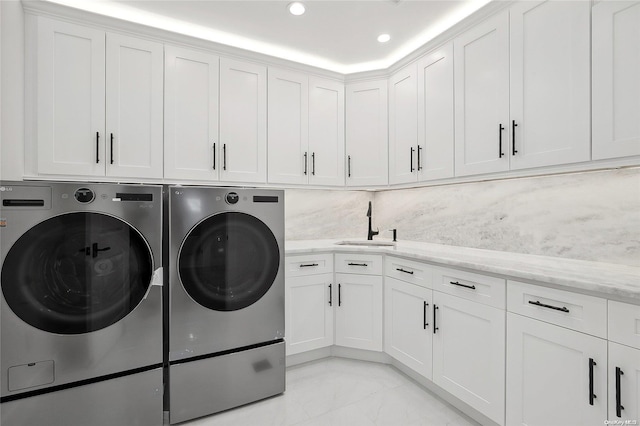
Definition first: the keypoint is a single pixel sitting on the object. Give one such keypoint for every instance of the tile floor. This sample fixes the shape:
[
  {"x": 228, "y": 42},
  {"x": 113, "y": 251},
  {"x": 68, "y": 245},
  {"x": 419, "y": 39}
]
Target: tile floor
[{"x": 338, "y": 391}]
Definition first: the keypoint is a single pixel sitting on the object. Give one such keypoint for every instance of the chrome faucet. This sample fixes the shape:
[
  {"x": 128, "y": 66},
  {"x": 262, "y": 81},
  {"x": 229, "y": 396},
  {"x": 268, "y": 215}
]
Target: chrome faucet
[{"x": 371, "y": 232}]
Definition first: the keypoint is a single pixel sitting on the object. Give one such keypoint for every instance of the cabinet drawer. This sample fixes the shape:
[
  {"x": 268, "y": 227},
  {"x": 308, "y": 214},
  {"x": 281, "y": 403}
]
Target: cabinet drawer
[
  {"x": 409, "y": 271},
  {"x": 468, "y": 285},
  {"x": 624, "y": 323},
  {"x": 576, "y": 311},
  {"x": 308, "y": 264},
  {"x": 357, "y": 263}
]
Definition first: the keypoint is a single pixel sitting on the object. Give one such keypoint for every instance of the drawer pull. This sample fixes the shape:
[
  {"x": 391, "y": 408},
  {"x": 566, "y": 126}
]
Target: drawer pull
[
  {"x": 538, "y": 303},
  {"x": 472, "y": 287},
  {"x": 306, "y": 265},
  {"x": 406, "y": 272},
  {"x": 592, "y": 396},
  {"x": 357, "y": 264},
  {"x": 619, "y": 406}
]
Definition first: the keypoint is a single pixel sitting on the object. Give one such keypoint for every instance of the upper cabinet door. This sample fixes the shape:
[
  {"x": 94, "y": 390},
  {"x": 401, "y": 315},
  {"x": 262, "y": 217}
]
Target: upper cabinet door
[
  {"x": 366, "y": 130},
  {"x": 482, "y": 97},
  {"x": 191, "y": 145},
  {"x": 435, "y": 115},
  {"x": 243, "y": 121},
  {"x": 326, "y": 132},
  {"x": 549, "y": 83},
  {"x": 288, "y": 127},
  {"x": 403, "y": 125},
  {"x": 616, "y": 86},
  {"x": 134, "y": 111},
  {"x": 70, "y": 99}
]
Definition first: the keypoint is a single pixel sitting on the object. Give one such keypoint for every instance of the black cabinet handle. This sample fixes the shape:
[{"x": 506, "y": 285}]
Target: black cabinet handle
[
  {"x": 313, "y": 163},
  {"x": 339, "y": 294},
  {"x": 330, "y": 296},
  {"x": 411, "y": 169},
  {"x": 472, "y": 287},
  {"x": 224, "y": 156},
  {"x": 97, "y": 147},
  {"x": 305, "y": 265},
  {"x": 500, "y": 129},
  {"x": 349, "y": 166},
  {"x": 513, "y": 137},
  {"x": 538, "y": 303},
  {"x": 619, "y": 406},
  {"x": 419, "y": 162},
  {"x": 424, "y": 315},
  {"x": 214, "y": 156},
  {"x": 592, "y": 396},
  {"x": 405, "y": 271},
  {"x": 435, "y": 308},
  {"x": 357, "y": 264},
  {"x": 305, "y": 163},
  {"x": 111, "y": 148}
]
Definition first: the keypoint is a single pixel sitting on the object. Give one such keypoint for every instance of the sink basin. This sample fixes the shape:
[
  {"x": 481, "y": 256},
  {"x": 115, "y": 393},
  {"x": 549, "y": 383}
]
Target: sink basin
[{"x": 366, "y": 243}]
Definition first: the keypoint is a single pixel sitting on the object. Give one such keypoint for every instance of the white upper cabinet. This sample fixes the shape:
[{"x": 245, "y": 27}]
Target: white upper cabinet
[
  {"x": 550, "y": 65},
  {"x": 243, "y": 121},
  {"x": 403, "y": 125},
  {"x": 616, "y": 85},
  {"x": 435, "y": 114},
  {"x": 366, "y": 130},
  {"x": 70, "y": 99},
  {"x": 191, "y": 115},
  {"x": 481, "y": 61},
  {"x": 134, "y": 111}
]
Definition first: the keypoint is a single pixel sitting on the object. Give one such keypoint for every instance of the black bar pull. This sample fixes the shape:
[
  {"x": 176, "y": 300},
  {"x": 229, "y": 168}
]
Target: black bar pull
[
  {"x": 435, "y": 308},
  {"x": 592, "y": 396},
  {"x": 538, "y": 303},
  {"x": 472, "y": 287},
  {"x": 97, "y": 147},
  {"x": 424, "y": 315},
  {"x": 339, "y": 294},
  {"x": 224, "y": 156},
  {"x": 330, "y": 296},
  {"x": 411, "y": 169},
  {"x": 404, "y": 270},
  {"x": 513, "y": 137},
  {"x": 349, "y": 166},
  {"x": 313, "y": 163},
  {"x": 111, "y": 148},
  {"x": 500, "y": 129},
  {"x": 305, "y": 265},
  {"x": 214, "y": 156},
  {"x": 305, "y": 163},
  {"x": 619, "y": 406},
  {"x": 357, "y": 264},
  {"x": 419, "y": 162}
]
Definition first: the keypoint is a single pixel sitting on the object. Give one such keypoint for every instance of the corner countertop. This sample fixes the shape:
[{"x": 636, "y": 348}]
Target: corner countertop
[{"x": 619, "y": 282}]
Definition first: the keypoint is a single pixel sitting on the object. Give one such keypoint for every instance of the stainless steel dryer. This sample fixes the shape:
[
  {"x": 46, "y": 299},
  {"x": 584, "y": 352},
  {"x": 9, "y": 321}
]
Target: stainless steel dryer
[
  {"x": 226, "y": 279},
  {"x": 81, "y": 321}
]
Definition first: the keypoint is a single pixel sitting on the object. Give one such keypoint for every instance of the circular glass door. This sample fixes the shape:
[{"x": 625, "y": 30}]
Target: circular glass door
[
  {"x": 228, "y": 261},
  {"x": 77, "y": 273}
]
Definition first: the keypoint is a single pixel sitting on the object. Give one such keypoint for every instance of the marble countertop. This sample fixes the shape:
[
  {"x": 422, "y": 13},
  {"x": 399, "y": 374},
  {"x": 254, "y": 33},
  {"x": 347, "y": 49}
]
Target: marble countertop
[{"x": 610, "y": 280}]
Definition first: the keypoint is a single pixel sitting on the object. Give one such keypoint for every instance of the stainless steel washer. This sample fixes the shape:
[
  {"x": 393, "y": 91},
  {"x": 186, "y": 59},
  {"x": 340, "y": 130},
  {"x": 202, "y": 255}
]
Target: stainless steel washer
[
  {"x": 226, "y": 278},
  {"x": 80, "y": 314}
]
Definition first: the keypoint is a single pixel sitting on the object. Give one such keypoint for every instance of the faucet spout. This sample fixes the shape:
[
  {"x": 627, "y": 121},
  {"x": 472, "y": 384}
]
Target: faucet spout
[
  {"x": 371, "y": 232},
  {"x": 369, "y": 210}
]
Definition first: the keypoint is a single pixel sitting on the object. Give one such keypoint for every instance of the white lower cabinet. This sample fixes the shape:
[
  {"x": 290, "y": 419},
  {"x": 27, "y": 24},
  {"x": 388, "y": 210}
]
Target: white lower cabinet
[
  {"x": 555, "y": 376},
  {"x": 624, "y": 382},
  {"x": 469, "y": 353},
  {"x": 359, "y": 311},
  {"x": 407, "y": 325}
]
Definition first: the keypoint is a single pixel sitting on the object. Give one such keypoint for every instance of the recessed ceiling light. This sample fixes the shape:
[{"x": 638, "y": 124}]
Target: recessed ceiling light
[
  {"x": 296, "y": 8},
  {"x": 383, "y": 38}
]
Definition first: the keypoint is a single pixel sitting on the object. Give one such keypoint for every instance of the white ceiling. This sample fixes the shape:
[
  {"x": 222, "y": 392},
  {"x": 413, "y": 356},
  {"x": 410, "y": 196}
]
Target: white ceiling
[{"x": 334, "y": 35}]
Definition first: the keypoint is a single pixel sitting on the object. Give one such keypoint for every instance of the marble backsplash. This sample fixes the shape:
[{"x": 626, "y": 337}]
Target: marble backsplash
[{"x": 590, "y": 216}]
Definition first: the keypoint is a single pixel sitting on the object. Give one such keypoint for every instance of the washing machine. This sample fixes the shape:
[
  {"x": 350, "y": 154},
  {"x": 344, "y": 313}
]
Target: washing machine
[
  {"x": 226, "y": 298},
  {"x": 81, "y": 305}
]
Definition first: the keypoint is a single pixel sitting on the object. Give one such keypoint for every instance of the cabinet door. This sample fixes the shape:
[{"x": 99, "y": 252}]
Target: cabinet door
[
  {"x": 403, "y": 125},
  {"x": 407, "y": 325},
  {"x": 70, "y": 99},
  {"x": 359, "y": 311},
  {"x": 624, "y": 382},
  {"x": 134, "y": 107},
  {"x": 191, "y": 148},
  {"x": 435, "y": 115},
  {"x": 469, "y": 353},
  {"x": 548, "y": 375},
  {"x": 550, "y": 82},
  {"x": 243, "y": 121},
  {"x": 481, "y": 62},
  {"x": 288, "y": 127},
  {"x": 309, "y": 316},
  {"x": 366, "y": 129},
  {"x": 616, "y": 86},
  {"x": 326, "y": 132}
]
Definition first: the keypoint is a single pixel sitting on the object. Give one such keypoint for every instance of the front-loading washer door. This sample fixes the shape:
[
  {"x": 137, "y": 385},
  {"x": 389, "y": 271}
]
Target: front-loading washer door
[
  {"x": 77, "y": 273},
  {"x": 228, "y": 261}
]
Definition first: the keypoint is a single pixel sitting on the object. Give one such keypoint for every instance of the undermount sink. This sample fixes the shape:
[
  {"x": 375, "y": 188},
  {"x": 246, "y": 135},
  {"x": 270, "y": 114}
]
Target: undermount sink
[{"x": 367, "y": 243}]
